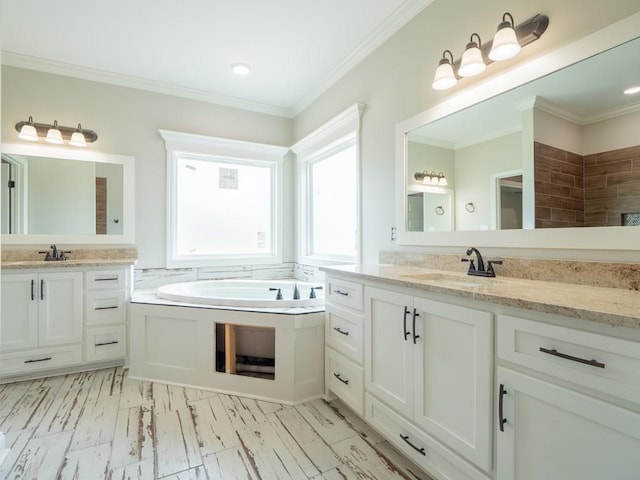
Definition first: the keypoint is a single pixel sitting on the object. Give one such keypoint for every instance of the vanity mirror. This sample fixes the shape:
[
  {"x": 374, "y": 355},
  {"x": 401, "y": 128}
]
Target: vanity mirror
[
  {"x": 59, "y": 195},
  {"x": 525, "y": 153}
]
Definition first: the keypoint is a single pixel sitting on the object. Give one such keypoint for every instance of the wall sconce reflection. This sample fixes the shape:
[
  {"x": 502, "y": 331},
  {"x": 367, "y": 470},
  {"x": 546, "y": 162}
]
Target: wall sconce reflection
[{"x": 432, "y": 178}]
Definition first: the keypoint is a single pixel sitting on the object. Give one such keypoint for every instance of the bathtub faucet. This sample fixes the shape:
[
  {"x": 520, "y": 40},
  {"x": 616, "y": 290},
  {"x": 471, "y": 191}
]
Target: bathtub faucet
[
  {"x": 279, "y": 294},
  {"x": 296, "y": 292},
  {"x": 313, "y": 291}
]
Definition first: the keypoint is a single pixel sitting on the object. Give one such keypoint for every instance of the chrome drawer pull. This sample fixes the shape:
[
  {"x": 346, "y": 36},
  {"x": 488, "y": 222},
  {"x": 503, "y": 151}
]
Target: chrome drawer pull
[
  {"x": 112, "y": 279},
  {"x": 406, "y": 440},
  {"x": 337, "y": 375},
  {"x": 105, "y": 308},
  {"x": 39, "y": 360},
  {"x": 555, "y": 353},
  {"x": 106, "y": 343},
  {"x": 340, "y": 292},
  {"x": 339, "y": 330}
]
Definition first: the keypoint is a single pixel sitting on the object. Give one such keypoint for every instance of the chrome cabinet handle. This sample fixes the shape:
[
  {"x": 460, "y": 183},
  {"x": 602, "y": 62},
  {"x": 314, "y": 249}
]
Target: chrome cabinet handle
[
  {"x": 339, "y": 330},
  {"x": 419, "y": 450},
  {"x": 555, "y": 353},
  {"x": 106, "y": 343},
  {"x": 337, "y": 375}
]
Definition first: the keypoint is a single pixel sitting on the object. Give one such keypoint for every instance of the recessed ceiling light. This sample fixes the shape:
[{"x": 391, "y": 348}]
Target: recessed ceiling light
[
  {"x": 632, "y": 90},
  {"x": 240, "y": 69}
]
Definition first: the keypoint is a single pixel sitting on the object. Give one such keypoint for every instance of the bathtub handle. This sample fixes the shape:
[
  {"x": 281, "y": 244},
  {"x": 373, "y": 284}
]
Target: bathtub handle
[
  {"x": 313, "y": 291},
  {"x": 279, "y": 294}
]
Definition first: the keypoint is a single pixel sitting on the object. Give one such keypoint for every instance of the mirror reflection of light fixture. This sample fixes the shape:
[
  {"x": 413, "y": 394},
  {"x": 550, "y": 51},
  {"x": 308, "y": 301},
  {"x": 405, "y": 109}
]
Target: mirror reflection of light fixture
[
  {"x": 433, "y": 178},
  {"x": 56, "y": 134},
  {"x": 28, "y": 131},
  {"x": 472, "y": 62},
  {"x": 506, "y": 43},
  {"x": 445, "y": 77}
]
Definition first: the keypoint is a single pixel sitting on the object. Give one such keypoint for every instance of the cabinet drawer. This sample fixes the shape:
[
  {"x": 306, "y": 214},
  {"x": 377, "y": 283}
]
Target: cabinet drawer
[
  {"x": 105, "y": 307},
  {"x": 607, "y": 364},
  {"x": 345, "y": 379},
  {"x": 41, "y": 359},
  {"x": 105, "y": 279},
  {"x": 435, "y": 459},
  {"x": 105, "y": 343},
  {"x": 344, "y": 332},
  {"x": 342, "y": 292}
]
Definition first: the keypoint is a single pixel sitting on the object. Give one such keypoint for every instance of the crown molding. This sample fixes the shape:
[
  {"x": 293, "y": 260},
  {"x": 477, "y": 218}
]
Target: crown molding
[
  {"x": 102, "y": 76},
  {"x": 400, "y": 17},
  {"x": 546, "y": 106}
]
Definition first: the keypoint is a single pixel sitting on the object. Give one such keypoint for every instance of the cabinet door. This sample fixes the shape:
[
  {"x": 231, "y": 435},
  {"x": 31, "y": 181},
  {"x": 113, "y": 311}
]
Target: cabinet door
[
  {"x": 19, "y": 319},
  {"x": 60, "y": 309},
  {"x": 454, "y": 376},
  {"x": 552, "y": 432},
  {"x": 389, "y": 348}
]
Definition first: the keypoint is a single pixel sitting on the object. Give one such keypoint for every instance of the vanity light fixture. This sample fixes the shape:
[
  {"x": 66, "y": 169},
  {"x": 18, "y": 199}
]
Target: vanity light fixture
[
  {"x": 77, "y": 138},
  {"x": 472, "y": 62},
  {"x": 506, "y": 43},
  {"x": 28, "y": 131},
  {"x": 433, "y": 178},
  {"x": 445, "y": 76},
  {"x": 56, "y": 134}
]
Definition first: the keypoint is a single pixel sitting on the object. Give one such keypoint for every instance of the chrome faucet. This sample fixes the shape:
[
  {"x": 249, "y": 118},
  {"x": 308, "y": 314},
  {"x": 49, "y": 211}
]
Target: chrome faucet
[{"x": 480, "y": 270}]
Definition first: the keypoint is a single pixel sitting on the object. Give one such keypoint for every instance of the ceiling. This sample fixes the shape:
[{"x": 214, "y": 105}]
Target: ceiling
[
  {"x": 296, "y": 48},
  {"x": 584, "y": 93}
]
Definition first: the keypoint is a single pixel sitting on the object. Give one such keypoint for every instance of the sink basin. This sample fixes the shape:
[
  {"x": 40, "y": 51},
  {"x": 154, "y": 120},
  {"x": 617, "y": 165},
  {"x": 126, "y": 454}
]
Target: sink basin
[{"x": 450, "y": 279}]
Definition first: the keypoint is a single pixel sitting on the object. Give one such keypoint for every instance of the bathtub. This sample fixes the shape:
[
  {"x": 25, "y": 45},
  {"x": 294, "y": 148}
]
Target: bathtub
[{"x": 244, "y": 293}]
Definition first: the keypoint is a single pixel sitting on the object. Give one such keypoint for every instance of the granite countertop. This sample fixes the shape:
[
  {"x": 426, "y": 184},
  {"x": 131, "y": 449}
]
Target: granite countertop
[
  {"x": 83, "y": 262},
  {"x": 612, "y": 306}
]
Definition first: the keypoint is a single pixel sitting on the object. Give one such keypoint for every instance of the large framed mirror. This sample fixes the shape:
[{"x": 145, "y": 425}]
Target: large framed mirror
[
  {"x": 66, "y": 196},
  {"x": 542, "y": 157}
]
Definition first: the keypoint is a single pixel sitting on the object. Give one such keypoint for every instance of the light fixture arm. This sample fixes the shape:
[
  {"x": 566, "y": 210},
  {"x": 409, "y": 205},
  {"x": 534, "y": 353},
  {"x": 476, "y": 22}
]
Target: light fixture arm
[{"x": 526, "y": 32}]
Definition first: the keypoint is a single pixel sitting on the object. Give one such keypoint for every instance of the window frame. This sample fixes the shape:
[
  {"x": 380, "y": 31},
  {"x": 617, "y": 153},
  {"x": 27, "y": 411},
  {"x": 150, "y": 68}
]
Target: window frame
[
  {"x": 340, "y": 133},
  {"x": 235, "y": 152}
]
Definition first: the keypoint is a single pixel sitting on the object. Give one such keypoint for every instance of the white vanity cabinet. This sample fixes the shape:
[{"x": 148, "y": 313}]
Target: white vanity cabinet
[
  {"x": 61, "y": 317},
  {"x": 41, "y": 323},
  {"x": 344, "y": 342},
  {"x": 432, "y": 363},
  {"x": 568, "y": 403},
  {"x": 105, "y": 313}
]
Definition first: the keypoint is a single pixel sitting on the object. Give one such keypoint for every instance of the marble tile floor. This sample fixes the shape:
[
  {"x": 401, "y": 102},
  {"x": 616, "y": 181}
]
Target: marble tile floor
[{"x": 103, "y": 425}]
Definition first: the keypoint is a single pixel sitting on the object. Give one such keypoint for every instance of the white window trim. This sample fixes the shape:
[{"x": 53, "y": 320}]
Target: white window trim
[
  {"x": 343, "y": 128},
  {"x": 177, "y": 144}
]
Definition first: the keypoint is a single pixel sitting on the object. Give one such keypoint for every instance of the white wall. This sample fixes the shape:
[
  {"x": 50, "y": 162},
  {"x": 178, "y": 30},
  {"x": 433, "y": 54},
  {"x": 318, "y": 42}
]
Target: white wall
[
  {"x": 127, "y": 122},
  {"x": 395, "y": 82},
  {"x": 612, "y": 134}
]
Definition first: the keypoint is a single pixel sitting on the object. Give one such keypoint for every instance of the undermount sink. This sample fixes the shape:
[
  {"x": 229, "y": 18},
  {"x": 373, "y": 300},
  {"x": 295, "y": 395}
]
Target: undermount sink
[{"x": 450, "y": 279}]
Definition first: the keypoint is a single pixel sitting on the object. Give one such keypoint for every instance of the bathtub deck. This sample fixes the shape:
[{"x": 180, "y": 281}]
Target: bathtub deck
[{"x": 101, "y": 424}]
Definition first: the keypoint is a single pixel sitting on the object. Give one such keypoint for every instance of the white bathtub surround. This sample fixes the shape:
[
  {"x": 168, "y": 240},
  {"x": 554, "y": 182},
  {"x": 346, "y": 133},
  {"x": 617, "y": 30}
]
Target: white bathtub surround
[
  {"x": 176, "y": 343},
  {"x": 157, "y": 277}
]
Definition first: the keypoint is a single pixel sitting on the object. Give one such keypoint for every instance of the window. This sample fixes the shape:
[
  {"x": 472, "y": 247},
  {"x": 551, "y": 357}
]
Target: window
[
  {"x": 223, "y": 201},
  {"x": 329, "y": 191}
]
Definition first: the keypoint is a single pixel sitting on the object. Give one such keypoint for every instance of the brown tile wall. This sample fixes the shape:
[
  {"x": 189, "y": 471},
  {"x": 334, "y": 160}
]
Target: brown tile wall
[
  {"x": 612, "y": 186},
  {"x": 559, "y": 184}
]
